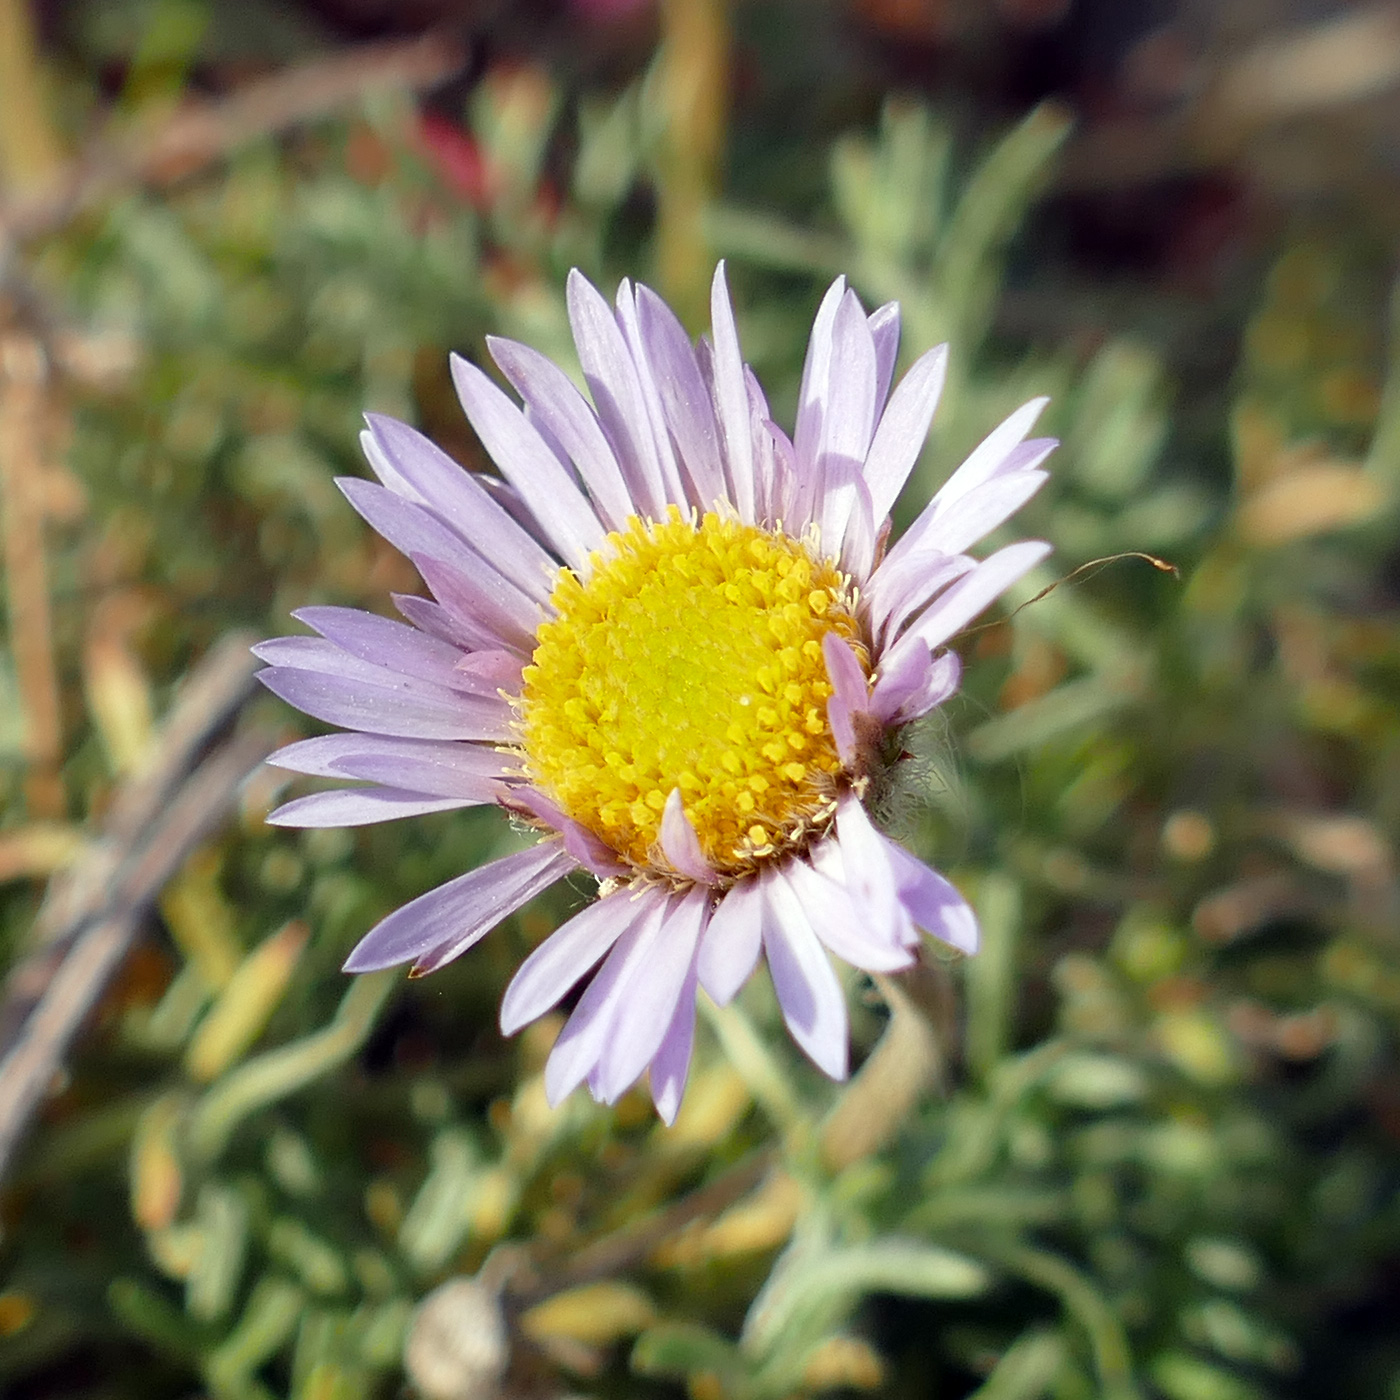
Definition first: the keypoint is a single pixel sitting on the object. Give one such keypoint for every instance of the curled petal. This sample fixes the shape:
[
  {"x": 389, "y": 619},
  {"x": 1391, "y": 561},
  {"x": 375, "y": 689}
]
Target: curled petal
[{"x": 680, "y": 845}]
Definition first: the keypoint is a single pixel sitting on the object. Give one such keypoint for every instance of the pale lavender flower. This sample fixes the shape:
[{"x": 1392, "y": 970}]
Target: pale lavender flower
[{"x": 675, "y": 642}]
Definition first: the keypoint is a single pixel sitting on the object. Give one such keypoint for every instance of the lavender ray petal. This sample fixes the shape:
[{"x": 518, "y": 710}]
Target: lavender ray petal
[
  {"x": 528, "y": 464},
  {"x": 545, "y": 978},
  {"x": 808, "y": 992},
  {"x": 570, "y": 419},
  {"x": 903, "y": 427},
  {"x": 324, "y": 658},
  {"x": 844, "y": 927},
  {"x": 1023, "y": 457},
  {"x": 858, "y": 544},
  {"x": 989, "y": 456},
  {"x": 884, "y": 331},
  {"x": 843, "y": 730},
  {"x": 437, "y": 926},
  {"x": 685, "y": 399},
  {"x": 848, "y": 420},
  {"x": 816, "y": 374},
  {"x": 680, "y": 845},
  {"x": 655, "y": 415},
  {"x": 843, "y": 670},
  {"x": 379, "y": 709},
  {"x": 729, "y": 951},
  {"x": 775, "y": 475},
  {"x": 940, "y": 683},
  {"x": 436, "y": 621},
  {"x": 595, "y": 855},
  {"x": 578, "y": 1052},
  {"x": 898, "y": 677},
  {"x": 382, "y": 465},
  {"x": 556, "y": 449},
  {"x": 482, "y": 598},
  {"x": 427, "y": 767},
  {"x": 489, "y": 672},
  {"x": 465, "y": 772},
  {"x": 411, "y": 528},
  {"x": 732, "y": 400},
  {"x": 612, "y": 380},
  {"x": 978, "y": 512},
  {"x": 912, "y": 682},
  {"x": 953, "y": 610},
  {"x": 363, "y": 806},
  {"x": 644, "y": 1015},
  {"x": 467, "y": 505},
  {"x": 932, "y": 901},
  {"x": 900, "y": 587},
  {"x": 388, "y": 643},
  {"x": 849, "y": 695},
  {"x": 869, "y": 880},
  {"x": 670, "y": 1066}
]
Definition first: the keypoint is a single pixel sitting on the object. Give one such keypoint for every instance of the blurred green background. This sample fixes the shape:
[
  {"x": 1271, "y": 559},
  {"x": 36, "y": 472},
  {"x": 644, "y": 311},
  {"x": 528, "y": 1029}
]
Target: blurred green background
[{"x": 1144, "y": 1145}]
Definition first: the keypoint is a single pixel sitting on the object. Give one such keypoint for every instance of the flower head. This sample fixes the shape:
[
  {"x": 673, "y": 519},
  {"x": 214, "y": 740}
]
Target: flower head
[{"x": 675, "y": 642}]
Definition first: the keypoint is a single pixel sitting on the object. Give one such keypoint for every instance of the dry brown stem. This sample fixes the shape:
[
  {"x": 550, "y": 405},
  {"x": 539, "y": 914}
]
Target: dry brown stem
[
  {"x": 94, "y": 910},
  {"x": 201, "y": 133},
  {"x": 23, "y": 392}
]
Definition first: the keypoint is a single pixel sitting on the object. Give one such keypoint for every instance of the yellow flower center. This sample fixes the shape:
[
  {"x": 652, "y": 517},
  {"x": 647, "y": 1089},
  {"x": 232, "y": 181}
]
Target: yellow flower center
[{"x": 691, "y": 658}]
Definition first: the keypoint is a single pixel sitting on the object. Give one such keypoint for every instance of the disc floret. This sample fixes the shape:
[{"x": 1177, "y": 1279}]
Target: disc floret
[{"x": 690, "y": 656}]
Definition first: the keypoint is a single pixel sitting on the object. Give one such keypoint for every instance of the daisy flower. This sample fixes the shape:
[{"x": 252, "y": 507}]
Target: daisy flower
[{"x": 678, "y": 644}]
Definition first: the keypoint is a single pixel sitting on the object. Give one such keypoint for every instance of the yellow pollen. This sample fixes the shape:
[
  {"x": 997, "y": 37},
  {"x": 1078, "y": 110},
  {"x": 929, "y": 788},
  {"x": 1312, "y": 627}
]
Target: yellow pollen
[{"x": 690, "y": 658}]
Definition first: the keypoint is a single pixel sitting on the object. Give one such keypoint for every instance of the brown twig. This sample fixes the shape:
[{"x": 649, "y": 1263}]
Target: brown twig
[
  {"x": 23, "y": 383},
  {"x": 201, "y": 133},
  {"x": 94, "y": 911}
]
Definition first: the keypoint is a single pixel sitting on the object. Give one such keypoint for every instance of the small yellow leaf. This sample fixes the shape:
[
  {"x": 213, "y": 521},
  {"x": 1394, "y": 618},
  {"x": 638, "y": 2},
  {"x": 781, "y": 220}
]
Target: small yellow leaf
[
  {"x": 244, "y": 1006},
  {"x": 1309, "y": 501},
  {"x": 595, "y": 1314},
  {"x": 843, "y": 1363},
  {"x": 157, "y": 1180}
]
